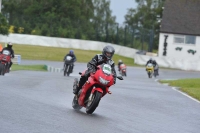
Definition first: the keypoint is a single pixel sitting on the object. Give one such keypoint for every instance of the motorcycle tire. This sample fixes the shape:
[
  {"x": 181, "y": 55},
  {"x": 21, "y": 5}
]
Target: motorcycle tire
[
  {"x": 93, "y": 104},
  {"x": 149, "y": 75},
  {"x": 1, "y": 69},
  {"x": 4, "y": 69},
  {"x": 75, "y": 85},
  {"x": 75, "y": 104},
  {"x": 68, "y": 70},
  {"x": 155, "y": 74},
  {"x": 65, "y": 70}
]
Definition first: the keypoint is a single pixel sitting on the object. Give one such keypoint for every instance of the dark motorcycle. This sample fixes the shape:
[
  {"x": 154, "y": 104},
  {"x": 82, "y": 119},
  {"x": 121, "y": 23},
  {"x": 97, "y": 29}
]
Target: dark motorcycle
[
  {"x": 5, "y": 60},
  {"x": 68, "y": 66},
  {"x": 156, "y": 71}
]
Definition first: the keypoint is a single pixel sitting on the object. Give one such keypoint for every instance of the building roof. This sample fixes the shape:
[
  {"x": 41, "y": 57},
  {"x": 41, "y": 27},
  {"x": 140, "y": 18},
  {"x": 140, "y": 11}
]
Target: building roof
[{"x": 181, "y": 17}]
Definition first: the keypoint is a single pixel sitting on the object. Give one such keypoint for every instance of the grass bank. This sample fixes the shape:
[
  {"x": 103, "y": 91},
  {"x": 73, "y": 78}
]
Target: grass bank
[
  {"x": 33, "y": 52},
  {"x": 189, "y": 86},
  {"x": 29, "y": 67}
]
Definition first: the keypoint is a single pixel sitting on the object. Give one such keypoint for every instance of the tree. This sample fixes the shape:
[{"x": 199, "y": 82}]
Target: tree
[
  {"x": 4, "y": 27},
  {"x": 145, "y": 16}
]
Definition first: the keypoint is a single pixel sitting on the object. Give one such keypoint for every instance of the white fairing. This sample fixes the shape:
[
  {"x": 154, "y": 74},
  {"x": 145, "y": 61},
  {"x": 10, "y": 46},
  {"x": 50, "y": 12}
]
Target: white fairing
[
  {"x": 6, "y": 52},
  {"x": 149, "y": 65},
  {"x": 68, "y": 58},
  {"x": 107, "y": 69}
]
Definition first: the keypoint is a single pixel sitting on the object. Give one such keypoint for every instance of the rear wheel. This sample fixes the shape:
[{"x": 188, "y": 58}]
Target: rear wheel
[
  {"x": 75, "y": 104},
  {"x": 93, "y": 103}
]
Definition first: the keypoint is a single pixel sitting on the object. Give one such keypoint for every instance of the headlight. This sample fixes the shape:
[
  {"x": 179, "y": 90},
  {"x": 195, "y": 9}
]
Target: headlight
[{"x": 103, "y": 81}]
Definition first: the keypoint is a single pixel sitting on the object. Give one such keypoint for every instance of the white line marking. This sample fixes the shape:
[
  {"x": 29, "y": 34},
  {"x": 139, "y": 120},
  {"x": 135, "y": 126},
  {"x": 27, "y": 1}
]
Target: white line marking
[{"x": 175, "y": 88}]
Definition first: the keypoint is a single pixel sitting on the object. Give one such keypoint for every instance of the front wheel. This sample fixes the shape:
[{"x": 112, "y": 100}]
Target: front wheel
[
  {"x": 149, "y": 74},
  {"x": 93, "y": 103},
  {"x": 65, "y": 69},
  {"x": 1, "y": 69}
]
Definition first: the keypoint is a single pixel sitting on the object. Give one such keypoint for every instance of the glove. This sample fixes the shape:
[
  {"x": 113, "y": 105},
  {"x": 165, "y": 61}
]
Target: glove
[{"x": 114, "y": 81}]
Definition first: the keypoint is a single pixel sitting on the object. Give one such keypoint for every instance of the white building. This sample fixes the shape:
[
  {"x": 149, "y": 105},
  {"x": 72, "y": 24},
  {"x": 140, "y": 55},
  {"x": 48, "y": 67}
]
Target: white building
[{"x": 181, "y": 23}]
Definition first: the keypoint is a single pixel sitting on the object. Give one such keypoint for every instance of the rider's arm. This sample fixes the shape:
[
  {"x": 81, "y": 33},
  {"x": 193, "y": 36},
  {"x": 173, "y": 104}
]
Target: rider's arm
[
  {"x": 114, "y": 72},
  {"x": 91, "y": 65},
  {"x": 13, "y": 54},
  {"x": 65, "y": 57},
  {"x": 74, "y": 58}
]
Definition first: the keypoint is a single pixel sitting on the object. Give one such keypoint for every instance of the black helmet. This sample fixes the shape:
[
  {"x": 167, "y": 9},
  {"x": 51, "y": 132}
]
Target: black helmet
[
  {"x": 108, "y": 52},
  {"x": 71, "y": 52},
  {"x": 9, "y": 45}
]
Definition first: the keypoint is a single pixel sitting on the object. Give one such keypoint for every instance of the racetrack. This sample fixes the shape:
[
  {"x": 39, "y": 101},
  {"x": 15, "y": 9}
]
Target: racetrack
[{"x": 40, "y": 102}]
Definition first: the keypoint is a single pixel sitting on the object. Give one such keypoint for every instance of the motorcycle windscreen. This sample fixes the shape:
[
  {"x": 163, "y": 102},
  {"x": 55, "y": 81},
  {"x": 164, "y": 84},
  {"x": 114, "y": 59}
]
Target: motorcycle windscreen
[{"x": 6, "y": 52}]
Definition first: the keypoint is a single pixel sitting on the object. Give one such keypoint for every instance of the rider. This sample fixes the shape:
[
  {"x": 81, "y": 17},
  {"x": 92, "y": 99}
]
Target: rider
[
  {"x": 105, "y": 57},
  {"x": 119, "y": 63},
  {"x": 154, "y": 63},
  {"x": 71, "y": 53},
  {"x": 149, "y": 61},
  {"x": 9, "y": 48}
]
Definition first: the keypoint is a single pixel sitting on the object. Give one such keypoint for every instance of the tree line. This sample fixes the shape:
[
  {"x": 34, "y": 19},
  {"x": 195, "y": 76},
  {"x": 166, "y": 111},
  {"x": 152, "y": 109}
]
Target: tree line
[{"x": 83, "y": 19}]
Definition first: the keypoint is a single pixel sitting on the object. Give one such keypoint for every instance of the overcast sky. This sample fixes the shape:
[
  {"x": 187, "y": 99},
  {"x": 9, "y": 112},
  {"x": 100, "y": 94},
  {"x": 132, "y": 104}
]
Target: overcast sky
[{"x": 119, "y": 8}]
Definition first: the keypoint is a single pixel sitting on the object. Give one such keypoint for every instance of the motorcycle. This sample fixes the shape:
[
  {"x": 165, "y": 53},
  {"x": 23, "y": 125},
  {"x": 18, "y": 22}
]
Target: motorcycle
[
  {"x": 155, "y": 71},
  {"x": 5, "y": 60},
  {"x": 150, "y": 70},
  {"x": 68, "y": 65},
  {"x": 94, "y": 89},
  {"x": 122, "y": 69}
]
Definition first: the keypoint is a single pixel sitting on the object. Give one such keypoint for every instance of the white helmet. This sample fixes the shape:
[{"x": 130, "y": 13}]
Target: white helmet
[{"x": 9, "y": 44}]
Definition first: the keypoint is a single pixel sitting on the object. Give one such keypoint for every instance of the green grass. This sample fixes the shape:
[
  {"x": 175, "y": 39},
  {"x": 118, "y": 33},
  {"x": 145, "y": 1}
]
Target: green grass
[
  {"x": 189, "y": 86},
  {"x": 16, "y": 67},
  {"x": 33, "y": 52}
]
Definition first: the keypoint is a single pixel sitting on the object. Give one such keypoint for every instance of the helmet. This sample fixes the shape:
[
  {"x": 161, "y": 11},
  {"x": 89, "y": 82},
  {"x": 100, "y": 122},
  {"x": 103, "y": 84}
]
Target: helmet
[
  {"x": 9, "y": 45},
  {"x": 71, "y": 52},
  {"x": 120, "y": 61},
  {"x": 108, "y": 51}
]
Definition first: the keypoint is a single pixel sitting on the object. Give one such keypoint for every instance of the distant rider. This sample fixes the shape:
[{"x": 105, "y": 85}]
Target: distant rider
[
  {"x": 71, "y": 53},
  {"x": 9, "y": 48},
  {"x": 105, "y": 57},
  {"x": 119, "y": 63},
  {"x": 154, "y": 64}
]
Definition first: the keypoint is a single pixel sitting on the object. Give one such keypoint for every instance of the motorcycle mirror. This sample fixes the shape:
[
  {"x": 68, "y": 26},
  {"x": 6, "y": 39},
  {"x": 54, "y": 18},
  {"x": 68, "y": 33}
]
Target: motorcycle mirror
[
  {"x": 120, "y": 77},
  {"x": 80, "y": 73}
]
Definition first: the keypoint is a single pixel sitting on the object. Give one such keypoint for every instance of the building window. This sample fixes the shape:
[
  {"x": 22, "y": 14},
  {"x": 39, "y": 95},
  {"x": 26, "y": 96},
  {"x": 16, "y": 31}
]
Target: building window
[
  {"x": 185, "y": 39},
  {"x": 179, "y": 39},
  {"x": 190, "y": 39}
]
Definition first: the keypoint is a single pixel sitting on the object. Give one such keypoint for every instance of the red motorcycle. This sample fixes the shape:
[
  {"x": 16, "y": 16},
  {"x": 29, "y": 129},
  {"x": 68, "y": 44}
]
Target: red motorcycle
[
  {"x": 5, "y": 60},
  {"x": 94, "y": 89},
  {"x": 122, "y": 69}
]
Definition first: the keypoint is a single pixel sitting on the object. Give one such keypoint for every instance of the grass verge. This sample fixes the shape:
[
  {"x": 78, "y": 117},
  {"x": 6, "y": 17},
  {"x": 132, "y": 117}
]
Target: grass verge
[
  {"x": 33, "y": 52},
  {"x": 189, "y": 86},
  {"x": 29, "y": 67}
]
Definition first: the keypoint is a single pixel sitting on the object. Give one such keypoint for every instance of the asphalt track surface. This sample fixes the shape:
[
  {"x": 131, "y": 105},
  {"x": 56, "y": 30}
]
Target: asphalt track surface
[{"x": 40, "y": 102}]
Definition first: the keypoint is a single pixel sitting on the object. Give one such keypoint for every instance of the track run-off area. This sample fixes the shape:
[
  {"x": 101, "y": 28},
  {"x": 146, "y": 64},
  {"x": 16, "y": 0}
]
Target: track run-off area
[{"x": 41, "y": 102}]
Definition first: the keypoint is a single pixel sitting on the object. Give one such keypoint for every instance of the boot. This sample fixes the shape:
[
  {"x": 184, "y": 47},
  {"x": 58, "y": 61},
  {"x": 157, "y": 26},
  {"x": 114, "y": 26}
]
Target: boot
[{"x": 80, "y": 84}]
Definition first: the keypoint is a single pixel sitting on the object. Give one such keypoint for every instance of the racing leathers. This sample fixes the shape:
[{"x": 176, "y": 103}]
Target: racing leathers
[
  {"x": 11, "y": 54},
  {"x": 91, "y": 67}
]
